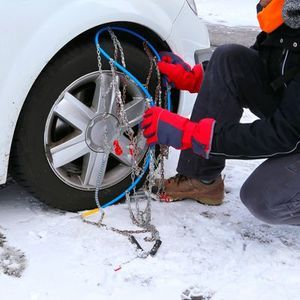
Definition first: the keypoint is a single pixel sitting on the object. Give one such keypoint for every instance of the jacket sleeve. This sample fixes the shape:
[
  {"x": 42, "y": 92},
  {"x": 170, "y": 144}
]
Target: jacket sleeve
[{"x": 275, "y": 136}]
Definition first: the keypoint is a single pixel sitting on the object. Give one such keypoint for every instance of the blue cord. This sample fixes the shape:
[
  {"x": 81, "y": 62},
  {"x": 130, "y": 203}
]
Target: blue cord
[{"x": 140, "y": 85}]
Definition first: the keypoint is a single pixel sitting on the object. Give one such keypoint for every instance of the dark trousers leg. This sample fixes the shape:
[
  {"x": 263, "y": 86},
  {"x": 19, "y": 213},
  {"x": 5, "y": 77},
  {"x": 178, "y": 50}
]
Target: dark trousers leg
[
  {"x": 272, "y": 192},
  {"x": 235, "y": 78}
]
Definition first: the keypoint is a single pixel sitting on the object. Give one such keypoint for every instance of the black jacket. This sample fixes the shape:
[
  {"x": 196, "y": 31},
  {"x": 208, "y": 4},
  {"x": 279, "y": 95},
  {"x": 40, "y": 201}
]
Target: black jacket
[{"x": 280, "y": 133}]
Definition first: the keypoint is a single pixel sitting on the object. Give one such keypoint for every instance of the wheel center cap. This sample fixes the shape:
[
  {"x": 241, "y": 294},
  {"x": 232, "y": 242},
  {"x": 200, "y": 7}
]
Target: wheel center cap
[{"x": 101, "y": 132}]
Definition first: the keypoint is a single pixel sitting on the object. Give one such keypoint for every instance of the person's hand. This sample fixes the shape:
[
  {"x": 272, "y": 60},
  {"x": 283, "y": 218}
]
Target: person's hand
[
  {"x": 180, "y": 73},
  {"x": 163, "y": 127},
  {"x": 171, "y": 58}
]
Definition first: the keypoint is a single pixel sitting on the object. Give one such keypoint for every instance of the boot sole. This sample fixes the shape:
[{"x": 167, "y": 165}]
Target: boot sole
[{"x": 211, "y": 202}]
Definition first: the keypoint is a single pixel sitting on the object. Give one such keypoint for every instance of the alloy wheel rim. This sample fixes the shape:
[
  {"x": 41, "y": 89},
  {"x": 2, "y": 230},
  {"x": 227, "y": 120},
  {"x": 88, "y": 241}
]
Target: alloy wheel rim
[{"x": 83, "y": 116}]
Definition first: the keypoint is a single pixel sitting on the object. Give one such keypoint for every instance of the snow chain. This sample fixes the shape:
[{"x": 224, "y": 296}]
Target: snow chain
[{"x": 139, "y": 217}]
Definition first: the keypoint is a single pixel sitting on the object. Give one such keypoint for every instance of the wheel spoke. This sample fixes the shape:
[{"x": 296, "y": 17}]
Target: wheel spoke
[
  {"x": 74, "y": 112},
  {"x": 112, "y": 107},
  {"x": 125, "y": 157},
  {"x": 104, "y": 100},
  {"x": 102, "y": 85},
  {"x": 142, "y": 144},
  {"x": 134, "y": 110},
  {"x": 93, "y": 165},
  {"x": 68, "y": 151}
]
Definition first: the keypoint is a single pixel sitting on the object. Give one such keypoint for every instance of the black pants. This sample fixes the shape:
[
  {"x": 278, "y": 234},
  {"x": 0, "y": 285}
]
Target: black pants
[{"x": 235, "y": 79}]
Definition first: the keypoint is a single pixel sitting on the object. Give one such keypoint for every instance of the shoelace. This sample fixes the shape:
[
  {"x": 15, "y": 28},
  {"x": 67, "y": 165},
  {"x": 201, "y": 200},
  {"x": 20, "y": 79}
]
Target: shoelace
[{"x": 178, "y": 178}]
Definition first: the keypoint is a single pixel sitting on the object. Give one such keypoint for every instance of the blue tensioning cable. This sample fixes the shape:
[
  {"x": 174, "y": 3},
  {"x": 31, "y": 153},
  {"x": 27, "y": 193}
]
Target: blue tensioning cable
[{"x": 140, "y": 85}]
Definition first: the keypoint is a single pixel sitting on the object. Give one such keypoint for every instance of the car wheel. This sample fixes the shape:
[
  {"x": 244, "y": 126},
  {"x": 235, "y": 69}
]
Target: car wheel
[{"x": 59, "y": 144}]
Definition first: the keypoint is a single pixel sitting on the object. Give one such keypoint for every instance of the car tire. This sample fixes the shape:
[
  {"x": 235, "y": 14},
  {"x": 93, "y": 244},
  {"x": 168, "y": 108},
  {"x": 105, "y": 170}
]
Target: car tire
[{"x": 29, "y": 164}]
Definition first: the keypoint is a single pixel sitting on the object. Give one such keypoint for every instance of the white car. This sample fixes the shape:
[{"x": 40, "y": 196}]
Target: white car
[{"x": 49, "y": 86}]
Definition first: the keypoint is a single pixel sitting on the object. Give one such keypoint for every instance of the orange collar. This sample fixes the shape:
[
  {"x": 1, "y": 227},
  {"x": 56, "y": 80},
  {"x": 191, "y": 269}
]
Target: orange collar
[{"x": 270, "y": 18}]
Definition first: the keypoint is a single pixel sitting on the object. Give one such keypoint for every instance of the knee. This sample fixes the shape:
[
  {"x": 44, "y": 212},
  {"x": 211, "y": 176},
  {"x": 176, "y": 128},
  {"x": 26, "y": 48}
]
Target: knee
[
  {"x": 272, "y": 193},
  {"x": 252, "y": 200},
  {"x": 229, "y": 53}
]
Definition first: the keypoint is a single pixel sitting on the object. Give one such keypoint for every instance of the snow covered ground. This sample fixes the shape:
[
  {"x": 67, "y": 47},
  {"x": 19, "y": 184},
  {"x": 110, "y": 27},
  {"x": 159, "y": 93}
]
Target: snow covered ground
[
  {"x": 228, "y": 12},
  {"x": 224, "y": 251}
]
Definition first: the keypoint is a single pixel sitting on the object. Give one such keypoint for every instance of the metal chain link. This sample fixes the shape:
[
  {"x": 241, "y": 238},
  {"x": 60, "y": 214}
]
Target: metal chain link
[
  {"x": 164, "y": 150},
  {"x": 141, "y": 217}
]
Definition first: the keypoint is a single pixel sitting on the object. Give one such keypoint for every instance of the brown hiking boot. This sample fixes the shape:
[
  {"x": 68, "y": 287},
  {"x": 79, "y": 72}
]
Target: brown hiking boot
[{"x": 180, "y": 187}]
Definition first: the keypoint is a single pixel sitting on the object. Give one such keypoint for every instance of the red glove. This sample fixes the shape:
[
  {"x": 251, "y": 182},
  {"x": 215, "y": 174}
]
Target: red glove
[
  {"x": 163, "y": 127},
  {"x": 171, "y": 58},
  {"x": 177, "y": 71}
]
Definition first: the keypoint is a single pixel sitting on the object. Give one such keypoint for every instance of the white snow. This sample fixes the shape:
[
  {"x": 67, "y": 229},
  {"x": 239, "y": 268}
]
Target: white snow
[
  {"x": 224, "y": 251},
  {"x": 230, "y": 13}
]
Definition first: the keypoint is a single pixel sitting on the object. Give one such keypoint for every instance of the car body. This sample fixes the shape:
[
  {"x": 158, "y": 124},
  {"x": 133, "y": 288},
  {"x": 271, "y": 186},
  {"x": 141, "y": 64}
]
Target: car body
[{"x": 33, "y": 32}]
